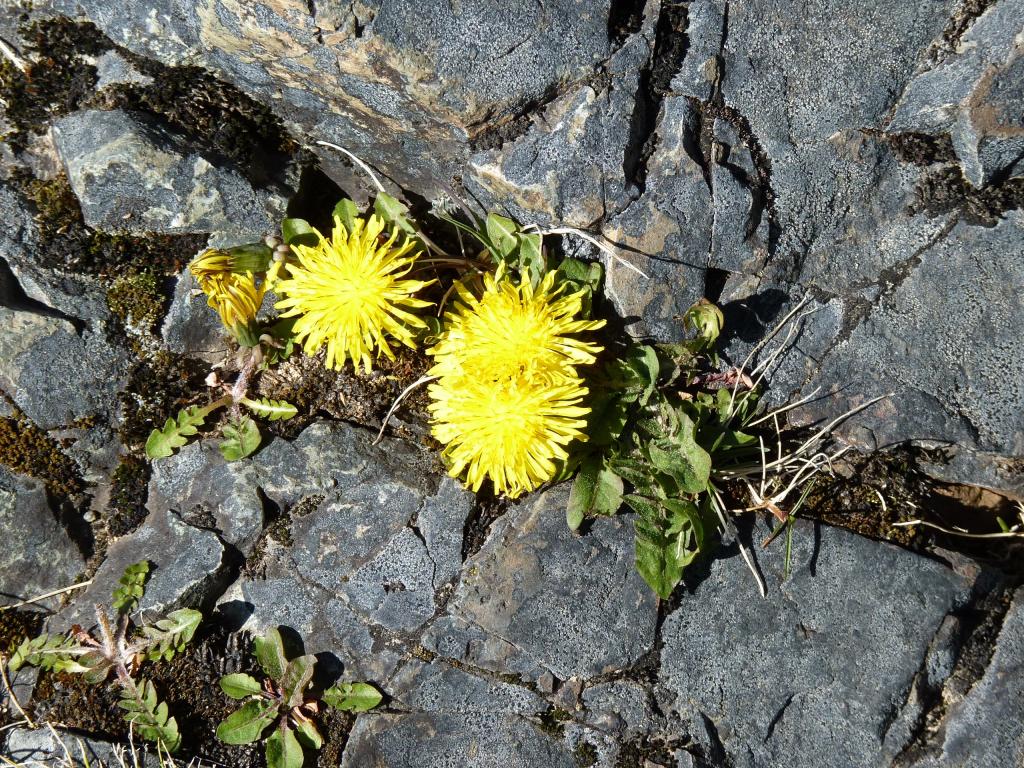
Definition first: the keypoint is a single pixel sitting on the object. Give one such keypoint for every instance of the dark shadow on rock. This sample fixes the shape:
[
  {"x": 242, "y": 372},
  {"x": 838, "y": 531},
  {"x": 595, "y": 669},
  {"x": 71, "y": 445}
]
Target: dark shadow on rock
[
  {"x": 748, "y": 319},
  {"x": 233, "y": 614}
]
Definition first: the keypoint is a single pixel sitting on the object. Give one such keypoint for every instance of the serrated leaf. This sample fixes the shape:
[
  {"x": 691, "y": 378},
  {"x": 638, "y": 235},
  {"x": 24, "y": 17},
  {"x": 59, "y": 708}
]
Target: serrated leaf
[
  {"x": 240, "y": 685},
  {"x": 270, "y": 409},
  {"x": 296, "y": 678},
  {"x": 175, "y": 432},
  {"x": 246, "y": 724},
  {"x": 308, "y": 734},
  {"x": 283, "y": 749},
  {"x": 149, "y": 716},
  {"x": 352, "y": 697},
  {"x": 682, "y": 458},
  {"x": 50, "y": 652},
  {"x": 241, "y": 438},
  {"x": 393, "y": 212},
  {"x": 171, "y": 634},
  {"x": 669, "y": 535},
  {"x": 503, "y": 234},
  {"x": 132, "y": 586},
  {"x": 269, "y": 651},
  {"x": 582, "y": 273},
  {"x": 298, "y": 232},
  {"x": 347, "y": 212}
]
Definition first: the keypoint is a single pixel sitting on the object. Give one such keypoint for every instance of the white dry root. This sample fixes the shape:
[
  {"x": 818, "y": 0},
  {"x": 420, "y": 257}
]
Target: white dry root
[{"x": 777, "y": 476}]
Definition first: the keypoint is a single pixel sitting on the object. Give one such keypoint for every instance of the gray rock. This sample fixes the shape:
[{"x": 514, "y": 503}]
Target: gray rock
[
  {"x": 619, "y": 706},
  {"x": 406, "y": 90},
  {"x": 114, "y": 69},
  {"x": 440, "y": 688},
  {"x": 187, "y": 566},
  {"x": 984, "y": 728},
  {"x": 43, "y": 746},
  {"x": 191, "y": 327},
  {"x": 35, "y": 287},
  {"x": 133, "y": 175},
  {"x": 367, "y": 552},
  {"x": 207, "y": 491},
  {"x": 445, "y": 741},
  {"x": 944, "y": 338},
  {"x": 326, "y": 624},
  {"x": 67, "y": 376},
  {"x": 975, "y": 96},
  {"x": 38, "y": 555},
  {"x": 821, "y": 673},
  {"x": 574, "y": 603},
  {"x": 461, "y": 641}
]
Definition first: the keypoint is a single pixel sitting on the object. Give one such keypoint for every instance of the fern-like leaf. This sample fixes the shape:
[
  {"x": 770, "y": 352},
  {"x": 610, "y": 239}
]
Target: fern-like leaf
[
  {"x": 271, "y": 410},
  {"x": 50, "y": 652},
  {"x": 175, "y": 432},
  {"x": 148, "y": 715},
  {"x": 133, "y": 585},
  {"x": 170, "y": 635}
]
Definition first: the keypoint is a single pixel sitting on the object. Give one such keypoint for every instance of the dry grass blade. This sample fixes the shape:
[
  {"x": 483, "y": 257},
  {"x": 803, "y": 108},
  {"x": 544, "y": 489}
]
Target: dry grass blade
[
  {"x": 52, "y": 593},
  {"x": 398, "y": 401}
]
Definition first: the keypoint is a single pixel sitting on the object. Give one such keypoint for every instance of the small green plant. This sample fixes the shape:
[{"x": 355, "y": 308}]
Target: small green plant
[
  {"x": 120, "y": 648},
  {"x": 285, "y": 703}
]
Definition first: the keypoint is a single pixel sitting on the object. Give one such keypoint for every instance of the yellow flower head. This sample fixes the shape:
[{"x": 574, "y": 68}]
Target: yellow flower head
[
  {"x": 514, "y": 330},
  {"x": 508, "y": 398},
  {"x": 348, "y": 292},
  {"x": 235, "y": 296}
]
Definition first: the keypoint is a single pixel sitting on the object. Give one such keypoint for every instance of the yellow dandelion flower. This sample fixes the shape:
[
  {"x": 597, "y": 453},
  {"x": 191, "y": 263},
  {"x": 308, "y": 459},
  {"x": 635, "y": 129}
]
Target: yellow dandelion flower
[
  {"x": 235, "y": 296},
  {"x": 348, "y": 293},
  {"x": 513, "y": 329},
  {"x": 508, "y": 398},
  {"x": 512, "y": 431}
]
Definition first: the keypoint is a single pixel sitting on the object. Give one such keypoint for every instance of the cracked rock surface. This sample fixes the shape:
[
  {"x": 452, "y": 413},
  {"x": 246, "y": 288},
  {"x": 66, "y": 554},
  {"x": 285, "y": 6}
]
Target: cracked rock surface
[{"x": 866, "y": 156}]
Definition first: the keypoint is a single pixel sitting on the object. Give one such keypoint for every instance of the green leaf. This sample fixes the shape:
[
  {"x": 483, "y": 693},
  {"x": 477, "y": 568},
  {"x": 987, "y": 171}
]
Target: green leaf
[
  {"x": 308, "y": 733},
  {"x": 246, "y": 724},
  {"x": 133, "y": 584},
  {"x": 296, "y": 678},
  {"x": 241, "y": 438},
  {"x": 240, "y": 685},
  {"x": 271, "y": 410},
  {"x": 149, "y": 716},
  {"x": 643, "y": 361},
  {"x": 298, "y": 232},
  {"x": 352, "y": 697},
  {"x": 669, "y": 535},
  {"x": 394, "y": 212},
  {"x": 680, "y": 457},
  {"x": 348, "y": 213},
  {"x": 607, "y": 418},
  {"x": 283, "y": 749},
  {"x": 596, "y": 490},
  {"x": 582, "y": 273},
  {"x": 175, "y": 433},
  {"x": 171, "y": 634},
  {"x": 269, "y": 651},
  {"x": 531, "y": 257},
  {"x": 503, "y": 234},
  {"x": 51, "y": 652}
]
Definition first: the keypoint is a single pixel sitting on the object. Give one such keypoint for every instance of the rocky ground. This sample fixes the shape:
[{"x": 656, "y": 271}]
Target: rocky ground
[{"x": 869, "y": 156}]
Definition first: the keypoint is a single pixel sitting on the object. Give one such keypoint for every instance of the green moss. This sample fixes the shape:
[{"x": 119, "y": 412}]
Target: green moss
[
  {"x": 136, "y": 300},
  {"x": 28, "y": 450},
  {"x": 158, "y": 387},
  {"x": 66, "y": 243},
  {"x": 585, "y": 755},
  {"x": 553, "y": 721},
  {"x": 130, "y": 486}
]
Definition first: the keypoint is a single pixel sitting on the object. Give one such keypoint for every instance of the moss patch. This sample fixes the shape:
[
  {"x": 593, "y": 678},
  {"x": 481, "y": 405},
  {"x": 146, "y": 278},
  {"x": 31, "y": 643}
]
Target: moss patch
[
  {"x": 28, "y": 450},
  {"x": 136, "y": 300},
  {"x": 157, "y": 389},
  {"x": 129, "y": 489}
]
